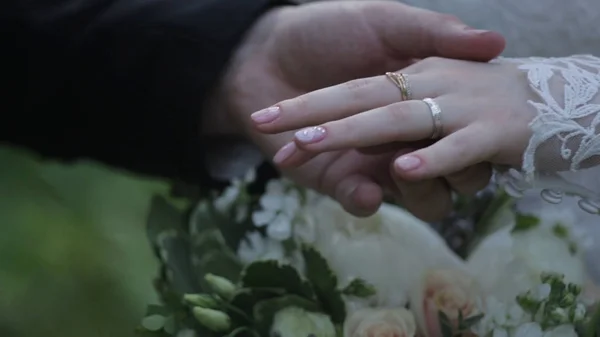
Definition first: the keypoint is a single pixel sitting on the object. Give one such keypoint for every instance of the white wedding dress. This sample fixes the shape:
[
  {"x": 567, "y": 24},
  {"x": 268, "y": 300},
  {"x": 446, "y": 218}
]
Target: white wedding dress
[{"x": 552, "y": 28}]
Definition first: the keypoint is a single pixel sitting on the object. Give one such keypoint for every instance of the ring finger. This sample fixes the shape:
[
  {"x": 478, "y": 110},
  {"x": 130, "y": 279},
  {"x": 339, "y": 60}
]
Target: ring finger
[{"x": 400, "y": 122}]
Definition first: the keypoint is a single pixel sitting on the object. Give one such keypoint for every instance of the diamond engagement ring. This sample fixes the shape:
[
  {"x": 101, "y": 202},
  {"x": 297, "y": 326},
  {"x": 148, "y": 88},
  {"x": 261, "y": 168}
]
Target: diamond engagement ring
[{"x": 436, "y": 114}]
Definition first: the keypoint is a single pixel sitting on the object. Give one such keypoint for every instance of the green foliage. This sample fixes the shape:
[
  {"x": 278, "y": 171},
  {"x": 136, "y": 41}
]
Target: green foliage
[
  {"x": 525, "y": 222},
  {"x": 359, "y": 288},
  {"x": 325, "y": 284}
]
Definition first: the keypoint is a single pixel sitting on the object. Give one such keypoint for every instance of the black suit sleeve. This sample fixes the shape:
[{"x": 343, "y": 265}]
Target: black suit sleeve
[{"x": 119, "y": 81}]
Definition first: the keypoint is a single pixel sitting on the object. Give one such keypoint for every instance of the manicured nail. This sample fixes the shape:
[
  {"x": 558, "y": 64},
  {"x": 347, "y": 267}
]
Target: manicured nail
[
  {"x": 476, "y": 31},
  {"x": 408, "y": 163},
  {"x": 284, "y": 153},
  {"x": 266, "y": 115},
  {"x": 311, "y": 135}
]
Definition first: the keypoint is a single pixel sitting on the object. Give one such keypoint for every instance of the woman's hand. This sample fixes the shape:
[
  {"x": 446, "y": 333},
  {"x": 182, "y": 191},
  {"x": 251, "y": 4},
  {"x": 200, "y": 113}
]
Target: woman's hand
[{"x": 485, "y": 117}]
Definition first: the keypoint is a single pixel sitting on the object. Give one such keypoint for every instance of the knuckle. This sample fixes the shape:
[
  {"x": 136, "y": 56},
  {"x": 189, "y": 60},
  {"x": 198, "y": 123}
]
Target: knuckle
[{"x": 358, "y": 88}]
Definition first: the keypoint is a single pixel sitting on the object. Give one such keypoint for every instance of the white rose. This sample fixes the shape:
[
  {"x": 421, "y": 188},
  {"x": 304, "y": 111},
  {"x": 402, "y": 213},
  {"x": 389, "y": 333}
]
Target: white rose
[
  {"x": 508, "y": 264},
  {"x": 380, "y": 323},
  {"x": 451, "y": 291},
  {"x": 389, "y": 249},
  {"x": 296, "y": 322}
]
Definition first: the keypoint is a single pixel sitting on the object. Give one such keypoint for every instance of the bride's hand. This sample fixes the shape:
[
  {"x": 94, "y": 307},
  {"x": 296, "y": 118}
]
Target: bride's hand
[{"x": 485, "y": 116}]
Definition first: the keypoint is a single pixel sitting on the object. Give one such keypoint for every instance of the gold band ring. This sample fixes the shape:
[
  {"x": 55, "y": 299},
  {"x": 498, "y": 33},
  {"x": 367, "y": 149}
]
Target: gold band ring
[{"x": 401, "y": 82}]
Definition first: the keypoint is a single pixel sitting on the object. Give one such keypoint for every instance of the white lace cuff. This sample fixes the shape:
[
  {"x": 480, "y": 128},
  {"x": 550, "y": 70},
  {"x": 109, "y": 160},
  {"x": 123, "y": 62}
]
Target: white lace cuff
[{"x": 563, "y": 155}]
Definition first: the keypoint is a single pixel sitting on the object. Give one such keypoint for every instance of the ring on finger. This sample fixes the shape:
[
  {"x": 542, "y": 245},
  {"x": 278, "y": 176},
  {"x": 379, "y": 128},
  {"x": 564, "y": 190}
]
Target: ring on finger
[
  {"x": 401, "y": 82},
  {"x": 436, "y": 115}
]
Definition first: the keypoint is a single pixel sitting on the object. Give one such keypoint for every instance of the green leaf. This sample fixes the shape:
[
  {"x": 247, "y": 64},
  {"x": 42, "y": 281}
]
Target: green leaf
[
  {"x": 265, "y": 311},
  {"x": 154, "y": 309},
  {"x": 445, "y": 325},
  {"x": 525, "y": 222},
  {"x": 471, "y": 321},
  {"x": 560, "y": 231},
  {"x": 359, "y": 288},
  {"x": 246, "y": 298},
  {"x": 213, "y": 256},
  {"x": 154, "y": 322},
  {"x": 272, "y": 274},
  {"x": 325, "y": 284},
  {"x": 243, "y": 331}
]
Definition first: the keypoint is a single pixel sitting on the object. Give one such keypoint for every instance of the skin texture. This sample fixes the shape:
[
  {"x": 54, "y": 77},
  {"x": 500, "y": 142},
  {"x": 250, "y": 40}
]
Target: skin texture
[{"x": 295, "y": 50}]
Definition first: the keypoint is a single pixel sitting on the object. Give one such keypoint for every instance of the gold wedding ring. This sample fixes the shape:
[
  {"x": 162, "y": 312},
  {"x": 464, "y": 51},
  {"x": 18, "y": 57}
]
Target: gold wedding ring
[
  {"x": 401, "y": 82},
  {"x": 436, "y": 114}
]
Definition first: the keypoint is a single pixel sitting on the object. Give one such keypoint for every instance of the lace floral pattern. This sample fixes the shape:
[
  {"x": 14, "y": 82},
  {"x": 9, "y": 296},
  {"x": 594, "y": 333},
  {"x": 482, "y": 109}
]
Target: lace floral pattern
[{"x": 566, "y": 130}]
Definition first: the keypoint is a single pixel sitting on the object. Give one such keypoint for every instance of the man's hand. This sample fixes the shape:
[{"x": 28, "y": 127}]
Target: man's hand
[{"x": 294, "y": 50}]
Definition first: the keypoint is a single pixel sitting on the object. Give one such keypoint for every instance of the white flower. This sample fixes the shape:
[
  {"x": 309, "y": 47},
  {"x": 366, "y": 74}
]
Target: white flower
[
  {"x": 391, "y": 249},
  {"x": 224, "y": 202},
  {"x": 256, "y": 247},
  {"x": 531, "y": 329},
  {"x": 508, "y": 264},
  {"x": 296, "y": 322},
  {"x": 380, "y": 323},
  {"x": 566, "y": 330},
  {"x": 279, "y": 206}
]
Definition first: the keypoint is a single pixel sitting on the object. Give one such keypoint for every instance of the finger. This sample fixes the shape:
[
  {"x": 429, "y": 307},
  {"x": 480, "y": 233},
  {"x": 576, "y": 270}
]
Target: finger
[
  {"x": 405, "y": 121},
  {"x": 340, "y": 101},
  {"x": 393, "y": 147},
  {"x": 359, "y": 195},
  {"x": 429, "y": 34},
  {"x": 451, "y": 154},
  {"x": 291, "y": 156},
  {"x": 429, "y": 200},
  {"x": 470, "y": 180}
]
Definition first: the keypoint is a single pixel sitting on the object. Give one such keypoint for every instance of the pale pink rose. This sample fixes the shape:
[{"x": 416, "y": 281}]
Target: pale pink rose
[
  {"x": 447, "y": 290},
  {"x": 380, "y": 323}
]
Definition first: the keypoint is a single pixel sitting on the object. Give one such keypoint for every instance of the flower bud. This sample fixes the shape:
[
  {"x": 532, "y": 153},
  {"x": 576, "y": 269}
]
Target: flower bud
[
  {"x": 214, "y": 320},
  {"x": 579, "y": 313},
  {"x": 567, "y": 300},
  {"x": 220, "y": 285},
  {"x": 201, "y": 300}
]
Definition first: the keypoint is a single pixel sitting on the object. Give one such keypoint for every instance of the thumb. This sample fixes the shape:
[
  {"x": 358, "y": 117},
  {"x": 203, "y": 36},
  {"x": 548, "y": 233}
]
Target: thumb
[{"x": 410, "y": 32}]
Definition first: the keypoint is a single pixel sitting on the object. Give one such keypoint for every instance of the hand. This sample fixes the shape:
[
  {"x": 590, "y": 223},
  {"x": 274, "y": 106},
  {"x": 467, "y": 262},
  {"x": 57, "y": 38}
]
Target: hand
[
  {"x": 485, "y": 117},
  {"x": 294, "y": 50}
]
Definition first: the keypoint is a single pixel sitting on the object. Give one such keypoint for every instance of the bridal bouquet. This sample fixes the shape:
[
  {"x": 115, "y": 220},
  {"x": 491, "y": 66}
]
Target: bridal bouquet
[{"x": 286, "y": 262}]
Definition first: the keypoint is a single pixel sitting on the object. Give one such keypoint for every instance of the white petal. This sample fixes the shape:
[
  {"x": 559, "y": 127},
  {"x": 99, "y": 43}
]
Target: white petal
[
  {"x": 250, "y": 176},
  {"x": 251, "y": 248},
  {"x": 271, "y": 202},
  {"x": 227, "y": 198},
  {"x": 262, "y": 217},
  {"x": 240, "y": 213},
  {"x": 500, "y": 333},
  {"x": 543, "y": 291},
  {"x": 280, "y": 228},
  {"x": 275, "y": 187},
  {"x": 529, "y": 330},
  {"x": 562, "y": 331}
]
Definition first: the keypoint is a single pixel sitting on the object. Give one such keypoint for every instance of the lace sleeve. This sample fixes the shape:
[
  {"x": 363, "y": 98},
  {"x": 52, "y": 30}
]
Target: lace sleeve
[{"x": 563, "y": 154}]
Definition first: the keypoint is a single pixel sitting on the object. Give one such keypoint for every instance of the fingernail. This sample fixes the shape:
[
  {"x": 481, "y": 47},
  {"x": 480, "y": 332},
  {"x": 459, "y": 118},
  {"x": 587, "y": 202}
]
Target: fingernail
[
  {"x": 284, "y": 153},
  {"x": 408, "y": 163},
  {"x": 266, "y": 115},
  {"x": 311, "y": 135},
  {"x": 476, "y": 31}
]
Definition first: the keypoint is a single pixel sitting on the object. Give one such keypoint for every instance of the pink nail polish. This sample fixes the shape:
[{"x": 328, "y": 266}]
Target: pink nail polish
[
  {"x": 476, "y": 31},
  {"x": 311, "y": 135},
  {"x": 266, "y": 115},
  {"x": 408, "y": 163},
  {"x": 284, "y": 153}
]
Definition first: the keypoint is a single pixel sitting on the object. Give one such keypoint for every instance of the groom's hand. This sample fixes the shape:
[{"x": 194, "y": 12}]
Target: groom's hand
[{"x": 296, "y": 49}]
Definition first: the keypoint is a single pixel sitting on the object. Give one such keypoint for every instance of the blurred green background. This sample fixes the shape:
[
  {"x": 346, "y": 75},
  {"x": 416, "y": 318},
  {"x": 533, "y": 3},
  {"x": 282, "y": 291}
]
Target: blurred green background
[{"x": 74, "y": 259}]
